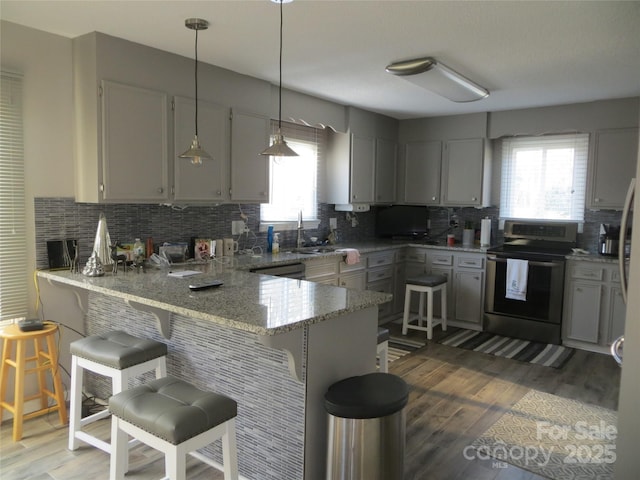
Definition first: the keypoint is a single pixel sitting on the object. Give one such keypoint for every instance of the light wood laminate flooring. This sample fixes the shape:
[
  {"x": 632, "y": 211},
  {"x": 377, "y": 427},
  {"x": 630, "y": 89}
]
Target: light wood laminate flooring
[{"x": 455, "y": 395}]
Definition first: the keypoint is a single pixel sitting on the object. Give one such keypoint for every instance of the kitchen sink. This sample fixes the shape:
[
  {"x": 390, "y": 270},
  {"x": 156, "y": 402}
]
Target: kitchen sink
[{"x": 313, "y": 250}]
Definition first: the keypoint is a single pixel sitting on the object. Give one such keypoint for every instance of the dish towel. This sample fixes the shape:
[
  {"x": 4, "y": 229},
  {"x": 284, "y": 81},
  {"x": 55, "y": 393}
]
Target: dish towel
[
  {"x": 352, "y": 255},
  {"x": 517, "y": 271}
]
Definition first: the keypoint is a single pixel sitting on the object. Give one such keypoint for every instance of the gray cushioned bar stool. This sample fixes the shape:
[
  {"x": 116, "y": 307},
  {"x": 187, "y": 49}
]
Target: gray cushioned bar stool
[
  {"x": 175, "y": 418},
  {"x": 117, "y": 355},
  {"x": 425, "y": 284}
]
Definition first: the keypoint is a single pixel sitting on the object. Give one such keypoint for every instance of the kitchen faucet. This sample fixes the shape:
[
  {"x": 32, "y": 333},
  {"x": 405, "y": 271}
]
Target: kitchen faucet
[{"x": 300, "y": 234}]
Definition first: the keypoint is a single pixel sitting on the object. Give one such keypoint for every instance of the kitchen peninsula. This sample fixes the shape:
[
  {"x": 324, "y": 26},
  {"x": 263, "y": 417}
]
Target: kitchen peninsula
[{"x": 273, "y": 344}]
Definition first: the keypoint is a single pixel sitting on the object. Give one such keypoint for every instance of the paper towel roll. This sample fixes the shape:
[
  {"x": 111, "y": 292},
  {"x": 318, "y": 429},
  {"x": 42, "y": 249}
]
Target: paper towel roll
[{"x": 485, "y": 232}]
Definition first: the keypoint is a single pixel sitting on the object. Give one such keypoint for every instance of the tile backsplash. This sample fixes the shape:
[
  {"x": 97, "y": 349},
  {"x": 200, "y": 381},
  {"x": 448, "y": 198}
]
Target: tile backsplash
[{"x": 60, "y": 218}]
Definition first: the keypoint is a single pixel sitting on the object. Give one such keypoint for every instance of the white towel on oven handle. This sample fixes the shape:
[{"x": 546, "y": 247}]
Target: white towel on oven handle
[{"x": 517, "y": 272}]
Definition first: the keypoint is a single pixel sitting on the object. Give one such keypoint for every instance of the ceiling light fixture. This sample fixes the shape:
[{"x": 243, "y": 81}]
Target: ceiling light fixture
[
  {"x": 441, "y": 79},
  {"x": 195, "y": 152},
  {"x": 279, "y": 147}
]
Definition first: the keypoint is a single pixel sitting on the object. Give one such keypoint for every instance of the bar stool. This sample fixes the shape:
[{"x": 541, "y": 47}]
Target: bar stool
[
  {"x": 45, "y": 360},
  {"x": 425, "y": 284},
  {"x": 175, "y": 418},
  {"x": 117, "y": 355},
  {"x": 383, "y": 349}
]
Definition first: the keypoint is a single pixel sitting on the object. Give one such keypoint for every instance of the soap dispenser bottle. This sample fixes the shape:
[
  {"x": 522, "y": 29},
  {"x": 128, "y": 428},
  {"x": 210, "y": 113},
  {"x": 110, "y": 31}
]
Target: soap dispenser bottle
[{"x": 275, "y": 246}]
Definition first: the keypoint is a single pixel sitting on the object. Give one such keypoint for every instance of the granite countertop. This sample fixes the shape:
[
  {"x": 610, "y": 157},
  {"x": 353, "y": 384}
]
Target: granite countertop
[{"x": 261, "y": 304}]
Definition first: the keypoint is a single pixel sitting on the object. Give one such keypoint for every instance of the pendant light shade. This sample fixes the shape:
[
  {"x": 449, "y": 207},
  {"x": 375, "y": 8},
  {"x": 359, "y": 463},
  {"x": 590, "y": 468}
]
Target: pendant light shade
[
  {"x": 195, "y": 152},
  {"x": 279, "y": 147}
]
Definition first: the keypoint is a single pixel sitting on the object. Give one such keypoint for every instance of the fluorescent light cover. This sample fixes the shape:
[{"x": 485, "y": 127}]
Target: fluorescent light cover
[{"x": 439, "y": 79}]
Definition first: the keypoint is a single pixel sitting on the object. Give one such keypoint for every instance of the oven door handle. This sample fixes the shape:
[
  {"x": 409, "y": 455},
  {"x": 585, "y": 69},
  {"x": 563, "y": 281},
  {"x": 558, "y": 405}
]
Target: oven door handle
[{"x": 491, "y": 258}]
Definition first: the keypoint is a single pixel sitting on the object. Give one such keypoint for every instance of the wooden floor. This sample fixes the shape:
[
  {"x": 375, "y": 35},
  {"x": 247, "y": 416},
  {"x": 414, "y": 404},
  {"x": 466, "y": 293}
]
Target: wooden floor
[{"x": 455, "y": 396}]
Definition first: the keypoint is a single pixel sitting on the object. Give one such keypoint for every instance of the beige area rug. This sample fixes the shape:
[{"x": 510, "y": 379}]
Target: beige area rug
[{"x": 553, "y": 437}]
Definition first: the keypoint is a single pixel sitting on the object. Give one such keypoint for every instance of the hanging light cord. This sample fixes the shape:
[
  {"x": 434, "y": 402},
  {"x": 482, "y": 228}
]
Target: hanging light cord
[
  {"x": 196, "y": 81},
  {"x": 280, "y": 71}
]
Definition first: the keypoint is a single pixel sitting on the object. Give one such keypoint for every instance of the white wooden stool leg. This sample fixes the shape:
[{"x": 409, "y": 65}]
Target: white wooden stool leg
[
  {"x": 175, "y": 463},
  {"x": 119, "y": 451},
  {"x": 75, "y": 415},
  {"x": 230, "y": 451},
  {"x": 421, "y": 309},
  {"x": 443, "y": 297},
  {"x": 429, "y": 314},
  {"x": 407, "y": 305},
  {"x": 383, "y": 356},
  {"x": 161, "y": 369}
]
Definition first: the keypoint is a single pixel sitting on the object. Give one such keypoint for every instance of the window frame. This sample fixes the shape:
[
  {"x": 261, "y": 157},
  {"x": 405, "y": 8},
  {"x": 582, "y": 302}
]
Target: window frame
[
  {"x": 579, "y": 174},
  {"x": 300, "y": 134}
]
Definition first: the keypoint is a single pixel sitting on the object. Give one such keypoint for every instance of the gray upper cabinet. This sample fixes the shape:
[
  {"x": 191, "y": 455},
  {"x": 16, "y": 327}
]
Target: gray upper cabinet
[
  {"x": 385, "y": 171},
  {"x": 422, "y": 167},
  {"x": 350, "y": 167},
  {"x": 446, "y": 161},
  {"x": 134, "y": 159},
  {"x": 207, "y": 182},
  {"x": 462, "y": 172},
  {"x": 249, "y": 169},
  {"x": 362, "y": 169},
  {"x": 614, "y": 153}
]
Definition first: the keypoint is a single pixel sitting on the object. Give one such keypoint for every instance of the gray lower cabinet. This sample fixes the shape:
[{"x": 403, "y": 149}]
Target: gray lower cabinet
[
  {"x": 210, "y": 181},
  {"x": 465, "y": 272},
  {"x": 594, "y": 311}
]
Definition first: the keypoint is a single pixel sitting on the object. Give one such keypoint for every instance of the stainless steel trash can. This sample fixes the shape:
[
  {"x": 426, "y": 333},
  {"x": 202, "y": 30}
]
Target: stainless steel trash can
[{"x": 366, "y": 427}]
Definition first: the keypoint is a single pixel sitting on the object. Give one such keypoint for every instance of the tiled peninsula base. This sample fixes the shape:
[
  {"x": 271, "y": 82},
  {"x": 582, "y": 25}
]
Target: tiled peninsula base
[{"x": 281, "y": 422}]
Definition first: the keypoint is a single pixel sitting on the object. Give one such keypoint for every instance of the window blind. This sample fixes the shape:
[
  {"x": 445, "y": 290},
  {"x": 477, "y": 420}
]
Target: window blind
[
  {"x": 13, "y": 260},
  {"x": 295, "y": 181},
  {"x": 544, "y": 177}
]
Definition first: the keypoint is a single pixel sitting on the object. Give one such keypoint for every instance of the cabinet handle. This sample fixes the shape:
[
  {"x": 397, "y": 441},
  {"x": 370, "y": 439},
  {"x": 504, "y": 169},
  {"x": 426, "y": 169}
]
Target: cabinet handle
[
  {"x": 434, "y": 198},
  {"x": 218, "y": 192},
  {"x": 355, "y": 197},
  {"x": 596, "y": 200},
  {"x": 160, "y": 189},
  {"x": 473, "y": 199}
]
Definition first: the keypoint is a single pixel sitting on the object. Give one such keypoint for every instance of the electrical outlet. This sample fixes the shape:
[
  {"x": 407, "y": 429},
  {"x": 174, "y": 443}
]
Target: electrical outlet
[
  {"x": 237, "y": 227},
  {"x": 333, "y": 223}
]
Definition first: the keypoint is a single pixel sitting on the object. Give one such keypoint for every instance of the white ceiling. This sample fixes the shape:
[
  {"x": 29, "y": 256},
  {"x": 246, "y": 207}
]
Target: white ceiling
[{"x": 527, "y": 53}]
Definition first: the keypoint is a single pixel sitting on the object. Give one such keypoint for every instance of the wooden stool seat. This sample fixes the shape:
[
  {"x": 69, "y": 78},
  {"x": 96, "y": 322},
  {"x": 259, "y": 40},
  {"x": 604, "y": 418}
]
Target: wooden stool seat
[{"x": 45, "y": 360}]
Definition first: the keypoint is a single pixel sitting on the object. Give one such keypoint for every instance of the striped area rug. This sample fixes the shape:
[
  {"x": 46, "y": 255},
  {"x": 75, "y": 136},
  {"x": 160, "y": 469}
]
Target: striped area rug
[
  {"x": 399, "y": 347},
  {"x": 526, "y": 351}
]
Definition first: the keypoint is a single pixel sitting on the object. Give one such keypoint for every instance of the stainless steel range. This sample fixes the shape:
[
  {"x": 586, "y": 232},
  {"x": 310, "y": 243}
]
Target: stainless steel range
[{"x": 533, "y": 255}]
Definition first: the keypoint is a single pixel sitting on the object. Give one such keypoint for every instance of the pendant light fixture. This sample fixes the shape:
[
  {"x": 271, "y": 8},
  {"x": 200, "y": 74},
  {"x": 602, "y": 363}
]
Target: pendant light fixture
[
  {"x": 195, "y": 152},
  {"x": 279, "y": 147}
]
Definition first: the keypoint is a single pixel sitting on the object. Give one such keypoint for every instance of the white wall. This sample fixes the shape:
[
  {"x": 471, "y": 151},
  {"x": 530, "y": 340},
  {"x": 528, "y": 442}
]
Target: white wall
[{"x": 45, "y": 61}]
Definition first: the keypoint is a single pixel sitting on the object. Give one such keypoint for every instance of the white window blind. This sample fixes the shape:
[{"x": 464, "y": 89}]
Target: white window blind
[
  {"x": 13, "y": 261},
  {"x": 294, "y": 180},
  {"x": 544, "y": 177}
]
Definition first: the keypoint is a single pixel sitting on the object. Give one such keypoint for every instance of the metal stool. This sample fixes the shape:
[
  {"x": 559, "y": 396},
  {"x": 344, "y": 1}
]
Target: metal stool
[
  {"x": 383, "y": 349},
  {"x": 44, "y": 359},
  {"x": 425, "y": 284},
  {"x": 117, "y": 355},
  {"x": 191, "y": 419}
]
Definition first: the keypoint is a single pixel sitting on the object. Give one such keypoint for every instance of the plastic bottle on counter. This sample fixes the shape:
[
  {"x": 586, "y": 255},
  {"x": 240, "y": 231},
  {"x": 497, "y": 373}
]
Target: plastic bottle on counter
[
  {"x": 275, "y": 246},
  {"x": 138, "y": 252},
  {"x": 270, "y": 239}
]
